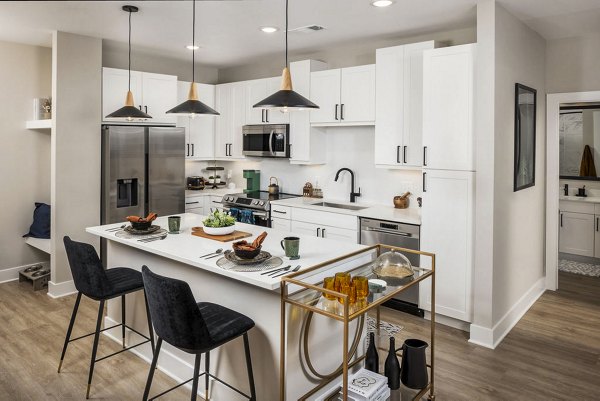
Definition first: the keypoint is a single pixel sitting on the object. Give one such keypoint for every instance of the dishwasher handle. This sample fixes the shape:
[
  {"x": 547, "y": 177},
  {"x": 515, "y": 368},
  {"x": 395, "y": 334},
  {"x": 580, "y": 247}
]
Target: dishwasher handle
[{"x": 392, "y": 232}]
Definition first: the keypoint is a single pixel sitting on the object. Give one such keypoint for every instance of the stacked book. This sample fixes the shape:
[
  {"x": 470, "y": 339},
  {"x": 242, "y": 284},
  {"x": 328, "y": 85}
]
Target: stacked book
[{"x": 365, "y": 385}]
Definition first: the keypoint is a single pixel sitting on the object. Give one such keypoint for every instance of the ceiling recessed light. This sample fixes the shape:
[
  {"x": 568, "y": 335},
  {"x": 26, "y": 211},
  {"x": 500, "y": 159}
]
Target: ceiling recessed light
[
  {"x": 382, "y": 3},
  {"x": 269, "y": 29},
  {"x": 190, "y": 47}
]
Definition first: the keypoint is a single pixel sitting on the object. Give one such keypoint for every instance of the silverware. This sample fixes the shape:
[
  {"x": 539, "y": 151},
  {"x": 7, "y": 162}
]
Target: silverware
[
  {"x": 116, "y": 228},
  {"x": 155, "y": 238},
  {"x": 295, "y": 269},
  {"x": 218, "y": 254},
  {"x": 284, "y": 269},
  {"x": 275, "y": 270},
  {"x": 212, "y": 253}
]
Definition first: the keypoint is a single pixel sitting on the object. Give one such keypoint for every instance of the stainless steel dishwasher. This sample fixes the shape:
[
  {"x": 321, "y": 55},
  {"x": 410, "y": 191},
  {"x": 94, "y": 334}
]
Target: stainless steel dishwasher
[{"x": 402, "y": 235}]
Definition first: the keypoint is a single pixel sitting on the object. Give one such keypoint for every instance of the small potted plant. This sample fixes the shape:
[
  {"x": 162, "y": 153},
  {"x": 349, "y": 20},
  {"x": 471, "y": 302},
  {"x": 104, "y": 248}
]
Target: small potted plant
[{"x": 219, "y": 223}]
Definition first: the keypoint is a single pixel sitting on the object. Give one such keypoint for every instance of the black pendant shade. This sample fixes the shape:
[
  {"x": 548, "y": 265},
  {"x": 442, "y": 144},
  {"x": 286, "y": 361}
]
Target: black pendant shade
[{"x": 129, "y": 111}]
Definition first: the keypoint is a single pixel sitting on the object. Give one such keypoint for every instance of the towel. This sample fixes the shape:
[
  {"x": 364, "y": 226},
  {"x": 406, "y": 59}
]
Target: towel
[
  {"x": 246, "y": 216},
  {"x": 235, "y": 213},
  {"x": 587, "y": 167}
]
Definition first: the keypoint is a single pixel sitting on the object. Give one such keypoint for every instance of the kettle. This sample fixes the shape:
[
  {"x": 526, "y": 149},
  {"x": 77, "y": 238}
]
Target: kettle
[{"x": 273, "y": 187}]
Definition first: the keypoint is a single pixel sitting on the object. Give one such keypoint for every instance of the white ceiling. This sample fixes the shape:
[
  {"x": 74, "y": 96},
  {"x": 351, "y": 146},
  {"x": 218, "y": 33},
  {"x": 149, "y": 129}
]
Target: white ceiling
[{"x": 228, "y": 30}]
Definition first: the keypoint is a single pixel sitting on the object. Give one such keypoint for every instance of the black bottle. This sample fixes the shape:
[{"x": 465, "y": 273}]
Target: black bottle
[
  {"x": 372, "y": 357},
  {"x": 392, "y": 367}
]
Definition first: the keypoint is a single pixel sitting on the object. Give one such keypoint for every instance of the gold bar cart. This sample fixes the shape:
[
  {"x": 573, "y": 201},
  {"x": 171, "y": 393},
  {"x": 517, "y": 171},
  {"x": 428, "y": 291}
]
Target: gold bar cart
[{"x": 307, "y": 295}]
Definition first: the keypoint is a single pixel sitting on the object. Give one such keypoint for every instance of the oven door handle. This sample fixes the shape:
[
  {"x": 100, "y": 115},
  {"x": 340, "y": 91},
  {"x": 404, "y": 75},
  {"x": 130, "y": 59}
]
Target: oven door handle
[
  {"x": 384, "y": 231},
  {"x": 260, "y": 214},
  {"x": 271, "y": 142}
]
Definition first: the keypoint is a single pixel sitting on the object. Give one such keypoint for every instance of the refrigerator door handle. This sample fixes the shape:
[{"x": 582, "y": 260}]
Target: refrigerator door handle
[{"x": 192, "y": 149}]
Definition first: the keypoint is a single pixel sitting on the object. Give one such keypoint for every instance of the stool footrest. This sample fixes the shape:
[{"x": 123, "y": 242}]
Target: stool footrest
[
  {"x": 200, "y": 375},
  {"x": 123, "y": 350}
]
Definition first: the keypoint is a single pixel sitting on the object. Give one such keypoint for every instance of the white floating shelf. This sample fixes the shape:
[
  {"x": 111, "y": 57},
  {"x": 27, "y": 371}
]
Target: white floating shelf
[
  {"x": 39, "y": 243},
  {"x": 38, "y": 124}
]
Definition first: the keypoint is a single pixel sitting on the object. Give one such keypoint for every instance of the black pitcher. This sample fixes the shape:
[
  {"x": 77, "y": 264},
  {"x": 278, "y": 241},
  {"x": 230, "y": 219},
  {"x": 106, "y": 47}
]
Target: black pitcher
[{"x": 414, "y": 365}]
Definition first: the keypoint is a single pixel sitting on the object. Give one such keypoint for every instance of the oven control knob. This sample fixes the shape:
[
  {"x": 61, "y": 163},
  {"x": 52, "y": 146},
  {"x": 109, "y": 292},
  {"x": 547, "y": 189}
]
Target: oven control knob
[
  {"x": 230, "y": 198},
  {"x": 261, "y": 203},
  {"x": 255, "y": 202}
]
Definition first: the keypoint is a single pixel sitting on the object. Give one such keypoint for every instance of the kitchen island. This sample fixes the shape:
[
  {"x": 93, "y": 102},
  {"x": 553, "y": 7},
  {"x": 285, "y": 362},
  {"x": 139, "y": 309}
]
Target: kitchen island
[{"x": 250, "y": 293}]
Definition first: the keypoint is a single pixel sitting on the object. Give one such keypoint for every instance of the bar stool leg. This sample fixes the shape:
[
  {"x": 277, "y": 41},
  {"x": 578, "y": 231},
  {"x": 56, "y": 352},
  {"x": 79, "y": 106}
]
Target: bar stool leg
[
  {"x": 196, "y": 374},
  {"x": 123, "y": 318},
  {"x": 69, "y": 330},
  {"x": 249, "y": 367},
  {"x": 150, "y": 329},
  {"x": 206, "y": 376},
  {"x": 95, "y": 347},
  {"x": 152, "y": 368}
]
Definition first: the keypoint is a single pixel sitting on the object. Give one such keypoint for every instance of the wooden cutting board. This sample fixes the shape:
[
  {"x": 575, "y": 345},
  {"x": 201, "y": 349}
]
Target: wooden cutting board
[{"x": 199, "y": 232}]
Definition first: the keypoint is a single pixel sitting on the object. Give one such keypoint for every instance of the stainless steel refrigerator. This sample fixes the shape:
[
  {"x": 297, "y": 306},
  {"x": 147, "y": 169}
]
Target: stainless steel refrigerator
[{"x": 143, "y": 170}]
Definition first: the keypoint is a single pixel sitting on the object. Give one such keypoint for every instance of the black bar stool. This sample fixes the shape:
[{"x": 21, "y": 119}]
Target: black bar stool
[
  {"x": 196, "y": 328},
  {"x": 93, "y": 281}
]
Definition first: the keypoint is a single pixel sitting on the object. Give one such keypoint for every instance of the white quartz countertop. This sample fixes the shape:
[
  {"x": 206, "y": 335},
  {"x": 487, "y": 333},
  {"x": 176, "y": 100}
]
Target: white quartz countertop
[
  {"x": 187, "y": 248},
  {"x": 382, "y": 212},
  {"x": 587, "y": 199},
  {"x": 207, "y": 191}
]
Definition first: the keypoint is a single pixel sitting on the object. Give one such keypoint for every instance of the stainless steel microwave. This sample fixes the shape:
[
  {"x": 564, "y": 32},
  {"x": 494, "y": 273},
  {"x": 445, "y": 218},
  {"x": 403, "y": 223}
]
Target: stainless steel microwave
[{"x": 271, "y": 140}]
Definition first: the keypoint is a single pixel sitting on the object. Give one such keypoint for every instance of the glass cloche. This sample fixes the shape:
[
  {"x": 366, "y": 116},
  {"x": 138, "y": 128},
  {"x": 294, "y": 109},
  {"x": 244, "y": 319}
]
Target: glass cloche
[{"x": 393, "y": 267}]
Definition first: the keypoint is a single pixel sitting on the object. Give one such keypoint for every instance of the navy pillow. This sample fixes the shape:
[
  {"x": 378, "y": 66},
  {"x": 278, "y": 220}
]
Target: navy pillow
[{"x": 40, "y": 228}]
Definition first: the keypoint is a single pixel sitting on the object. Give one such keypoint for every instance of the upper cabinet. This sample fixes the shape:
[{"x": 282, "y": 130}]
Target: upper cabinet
[
  {"x": 231, "y": 104},
  {"x": 448, "y": 88},
  {"x": 399, "y": 114},
  {"x": 257, "y": 90},
  {"x": 345, "y": 96},
  {"x": 199, "y": 130},
  {"x": 153, "y": 93}
]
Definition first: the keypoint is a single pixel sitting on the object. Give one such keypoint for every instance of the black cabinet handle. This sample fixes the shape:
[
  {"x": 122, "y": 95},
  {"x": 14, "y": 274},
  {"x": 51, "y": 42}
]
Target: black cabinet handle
[
  {"x": 322, "y": 233},
  {"x": 279, "y": 211},
  {"x": 424, "y": 155},
  {"x": 140, "y": 106},
  {"x": 191, "y": 203},
  {"x": 336, "y": 111},
  {"x": 262, "y": 115},
  {"x": 342, "y": 111},
  {"x": 597, "y": 218},
  {"x": 561, "y": 219},
  {"x": 267, "y": 115},
  {"x": 424, "y": 188},
  {"x": 146, "y": 108},
  {"x": 187, "y": 147},
  {"x": 192, "y": 149},
  {"x": 404, "y": 153},
  {"x": 398, "y": 154},
  {"x": 318, "y": 228},
  {"x": 226, "y": 149}
]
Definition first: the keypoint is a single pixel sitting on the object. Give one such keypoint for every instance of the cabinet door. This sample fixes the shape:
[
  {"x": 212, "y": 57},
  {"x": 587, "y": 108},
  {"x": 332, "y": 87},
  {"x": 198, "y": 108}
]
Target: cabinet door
[
  {"x": 159, "y": 95},
  {"x": 597, "y": 236},
  {"x": 256, "y": 91},
  {"x": 194, "y": 202},
  {"x": 239, "y": 116},
  {"x": 448, "y": 107},
  {"x": 325, "y": 92},
  {"x": 114, "y": 91},
  {"x": 358, "y": 94},
  {"x": 447, "y": 231},
  {"x": 389, "y": 122},
  {"x": 339, "y": 234},
  {"x": 224, "y": 123},
  {"x": 576, "y": 235},
  {"x": 202, "y": 128},
  {"x": 184, "y": 121},
  {"x": 274, "y": 116},
  {"x": 281, "y": 224},
  {"x": 300, "y": 227}
]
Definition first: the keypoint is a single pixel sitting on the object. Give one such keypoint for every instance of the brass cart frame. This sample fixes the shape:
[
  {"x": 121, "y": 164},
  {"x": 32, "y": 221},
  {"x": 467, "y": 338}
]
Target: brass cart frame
[{"x": 350, "y": 315}]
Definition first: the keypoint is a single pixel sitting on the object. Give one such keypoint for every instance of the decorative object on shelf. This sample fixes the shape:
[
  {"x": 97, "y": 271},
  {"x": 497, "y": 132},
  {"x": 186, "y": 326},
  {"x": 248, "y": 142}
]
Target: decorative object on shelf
[
  {"x": 317, "y": 191},
  {"x": 414, "y": 364},
  {"x": 525, "y": 131},
  {"x": 372, "y": 356},
  {"x": 394, "y": 268},
  {"x": 129, "y": 111},
  {"x": 392, "y": 366},
  {"x": 366, "y": 385},
  {"x": 566, "y": 189},
  {"x": 581, "y": 192},
  {"x": 308, "y": 190},
  {"x": 402, "y": 201},
  {"x": 214, "y": 178},
  {"x": 329, "y": 284},
  {"x": 286, "y": 99},
  {"x": 273, "y": 187},
  {"x": 420, "y": 201},
  {"x": 193, "y": 106},
  {"x": 252, "y": 180},
  {"x": 42, "y": 108}
]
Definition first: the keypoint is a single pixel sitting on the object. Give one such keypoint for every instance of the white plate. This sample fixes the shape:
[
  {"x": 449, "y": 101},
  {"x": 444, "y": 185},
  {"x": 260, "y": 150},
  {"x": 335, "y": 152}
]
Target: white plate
[{"x": 219, "y": 230}]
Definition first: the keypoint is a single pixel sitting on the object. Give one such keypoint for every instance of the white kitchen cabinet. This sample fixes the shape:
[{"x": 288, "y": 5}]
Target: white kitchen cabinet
[
  {"x": 212, "y": 202},
  {"x": 273, "y": 116},
  {"x": 199, "y": 130},
  {"x": 339, "y": 234},
  {"x": 448, "y": 89},
  {"x": 341, "y": 227},
  {"x": 303, "y": 228},
  {"x": 447, "y": 231},
  {"x": 231, "y": 104},
  {"x": 577, "y": 234},
  {"x": 154, "y": 93},
  {"x": 281, "y": 224},
  {"x": 596, "y": 236},
  {"x": 345, "y": 96},
  {"x": 399, "y": 114},
  {"x": 257, "y": 90},
  {"x": 194, "y": 204}
]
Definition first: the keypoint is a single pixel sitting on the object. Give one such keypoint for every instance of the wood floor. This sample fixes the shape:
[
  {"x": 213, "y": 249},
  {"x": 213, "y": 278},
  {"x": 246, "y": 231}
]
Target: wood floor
[{"x": 552, "y": 354}]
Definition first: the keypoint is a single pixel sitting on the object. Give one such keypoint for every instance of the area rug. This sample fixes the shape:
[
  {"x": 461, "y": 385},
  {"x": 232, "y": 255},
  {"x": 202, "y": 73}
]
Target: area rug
[
  {"x": 586, "y": 269},
  {"x": 386, "y": 329}
]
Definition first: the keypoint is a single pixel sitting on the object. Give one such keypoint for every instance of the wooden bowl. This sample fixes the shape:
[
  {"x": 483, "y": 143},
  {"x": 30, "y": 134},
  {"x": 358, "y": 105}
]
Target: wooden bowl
[
  {"x": 246, "y": 254},
  {"x": 400, "y": 203}
]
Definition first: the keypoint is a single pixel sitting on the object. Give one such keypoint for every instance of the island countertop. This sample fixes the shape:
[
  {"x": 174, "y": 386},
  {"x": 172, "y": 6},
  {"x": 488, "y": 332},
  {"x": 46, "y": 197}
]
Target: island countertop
[{"x": 187, "y": 248}]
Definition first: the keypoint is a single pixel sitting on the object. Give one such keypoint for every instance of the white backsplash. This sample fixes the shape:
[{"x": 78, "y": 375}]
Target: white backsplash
[{"x": 351, "y": 147}]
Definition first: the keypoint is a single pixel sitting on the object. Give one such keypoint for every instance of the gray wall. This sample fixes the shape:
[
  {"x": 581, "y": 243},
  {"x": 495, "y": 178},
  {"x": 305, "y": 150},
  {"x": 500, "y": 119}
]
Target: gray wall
[
  {"x": 25, "y": 73},
  {"x": 345, "y": 55},
  {"x": 573, "y": 64},
  {"x": 75, "y": 192}
]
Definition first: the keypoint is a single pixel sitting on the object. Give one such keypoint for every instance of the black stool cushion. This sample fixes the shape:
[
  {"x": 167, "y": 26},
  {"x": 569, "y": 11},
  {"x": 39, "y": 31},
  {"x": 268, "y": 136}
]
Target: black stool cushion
[
  {"x": 180, "y": 321},
  {"x": 92, "y": 280}
]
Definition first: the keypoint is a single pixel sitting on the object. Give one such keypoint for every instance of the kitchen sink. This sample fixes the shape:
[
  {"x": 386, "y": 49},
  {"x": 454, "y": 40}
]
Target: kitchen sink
[{"x": 339, "y": 206}]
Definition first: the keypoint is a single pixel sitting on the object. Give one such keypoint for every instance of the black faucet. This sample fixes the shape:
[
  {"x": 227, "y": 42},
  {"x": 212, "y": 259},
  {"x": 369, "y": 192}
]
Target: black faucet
[{"x": 353, "y": 194}]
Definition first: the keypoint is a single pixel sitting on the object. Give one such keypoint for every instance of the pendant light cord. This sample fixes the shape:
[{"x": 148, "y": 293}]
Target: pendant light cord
[
  {"x": 286, "y": 31},
  {"x": 194, "y": 41},
  {"x": 129, "y": 79}
]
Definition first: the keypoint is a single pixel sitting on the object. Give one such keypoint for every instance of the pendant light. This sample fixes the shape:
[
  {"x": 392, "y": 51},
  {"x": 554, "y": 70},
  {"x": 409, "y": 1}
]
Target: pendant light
[
  {"x": 286, "y": 99},
  {"x": 193, "y": 106},
  {"x": 129, "y": 111}
]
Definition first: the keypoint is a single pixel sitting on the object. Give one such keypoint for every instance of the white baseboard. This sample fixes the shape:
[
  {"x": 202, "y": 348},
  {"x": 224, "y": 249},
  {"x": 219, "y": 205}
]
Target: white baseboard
[
  {"x": 490, "y": 338},
  {"x": 57, "y": 290},
  {"x": 449, "y": 321},
  {"x": 12, "y": 273}
]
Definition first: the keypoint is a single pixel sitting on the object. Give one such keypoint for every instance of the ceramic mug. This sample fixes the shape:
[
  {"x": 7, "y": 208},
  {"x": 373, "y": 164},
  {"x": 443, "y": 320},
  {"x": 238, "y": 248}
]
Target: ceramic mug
[
  {"x": 174, "y": 224},
  {"x": 291, "y": 246}
]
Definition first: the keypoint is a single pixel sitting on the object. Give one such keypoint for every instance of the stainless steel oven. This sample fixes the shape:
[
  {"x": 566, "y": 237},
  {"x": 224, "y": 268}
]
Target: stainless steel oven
[{"x": 271, "y": 140}]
